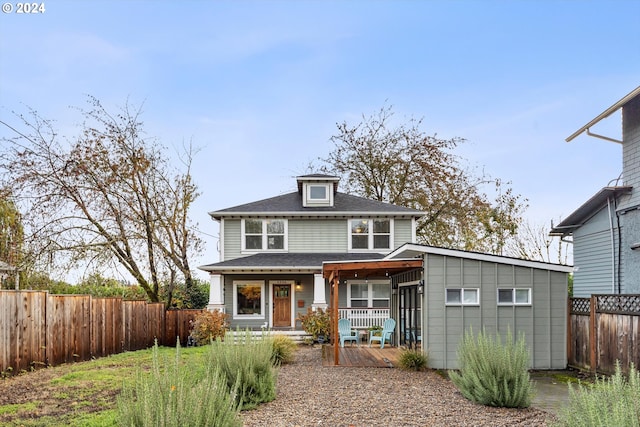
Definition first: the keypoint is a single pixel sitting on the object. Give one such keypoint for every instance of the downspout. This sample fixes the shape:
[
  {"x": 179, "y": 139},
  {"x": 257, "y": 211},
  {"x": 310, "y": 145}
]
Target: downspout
[
  {"x": 613, "y": 249},
  {"x": 615, "y": 206}
]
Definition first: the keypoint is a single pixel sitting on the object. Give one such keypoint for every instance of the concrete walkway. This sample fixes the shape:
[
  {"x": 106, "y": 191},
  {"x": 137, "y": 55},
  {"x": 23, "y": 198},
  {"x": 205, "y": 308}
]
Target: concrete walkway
[{"x": 551, "y": 394}]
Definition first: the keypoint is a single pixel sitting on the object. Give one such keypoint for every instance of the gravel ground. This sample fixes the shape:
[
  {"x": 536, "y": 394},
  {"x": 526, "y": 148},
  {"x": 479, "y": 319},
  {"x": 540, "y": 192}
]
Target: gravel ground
[{"x": 309, "y": 394}]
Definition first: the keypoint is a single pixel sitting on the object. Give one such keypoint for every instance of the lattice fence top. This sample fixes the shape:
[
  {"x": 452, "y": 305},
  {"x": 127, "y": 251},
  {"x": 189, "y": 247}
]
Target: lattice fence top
[
  {"x": 624, "y": 304},
  {"x": 580, "y": 306}
]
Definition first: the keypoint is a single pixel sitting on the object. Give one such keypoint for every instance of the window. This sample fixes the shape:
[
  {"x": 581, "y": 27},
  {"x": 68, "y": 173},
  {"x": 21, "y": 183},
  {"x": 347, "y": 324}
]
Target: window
[
  {"x": 370, "y": 234},
  {"x": 462, "y": 296},
  {"x": 514, "y": 296},
  {"x": 362, "y": 295},
  {"x": 248, "y": 299},
  {"x": 264, "y": 235},
  {"x": 317, "y": 194}
]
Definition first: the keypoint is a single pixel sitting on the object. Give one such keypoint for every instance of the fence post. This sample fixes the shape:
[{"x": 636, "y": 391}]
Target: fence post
[
  {"x": 593, "y": 335},
  {"x": 569, "y": 339}
]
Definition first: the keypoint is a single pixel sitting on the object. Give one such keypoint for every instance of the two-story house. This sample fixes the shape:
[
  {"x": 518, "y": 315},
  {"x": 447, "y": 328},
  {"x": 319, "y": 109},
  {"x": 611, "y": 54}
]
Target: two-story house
[
  {"x": 319, "y": 248},
  {"x": 272, "y": 253},
  {"x": 606, "y": 229}
]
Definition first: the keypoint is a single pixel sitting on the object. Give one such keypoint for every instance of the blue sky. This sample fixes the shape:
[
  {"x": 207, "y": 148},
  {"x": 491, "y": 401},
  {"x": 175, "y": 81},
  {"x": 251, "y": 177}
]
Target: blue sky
[{"x": 259, "y": 86}]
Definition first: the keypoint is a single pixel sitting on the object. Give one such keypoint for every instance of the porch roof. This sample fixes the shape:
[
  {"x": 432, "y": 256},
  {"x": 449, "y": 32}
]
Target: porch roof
[
  {"x": 295, "y": 262},
  {"x": 368, "y": 268}
]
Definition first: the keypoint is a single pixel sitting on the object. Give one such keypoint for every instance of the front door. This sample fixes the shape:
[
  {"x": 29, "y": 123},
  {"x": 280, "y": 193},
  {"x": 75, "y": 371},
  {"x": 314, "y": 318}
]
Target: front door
[{"x": 281, "y": 305}]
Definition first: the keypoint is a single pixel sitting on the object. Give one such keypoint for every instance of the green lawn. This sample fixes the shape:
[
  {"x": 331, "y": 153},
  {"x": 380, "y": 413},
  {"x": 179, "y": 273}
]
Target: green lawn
[{"x": 78, "y": 394}]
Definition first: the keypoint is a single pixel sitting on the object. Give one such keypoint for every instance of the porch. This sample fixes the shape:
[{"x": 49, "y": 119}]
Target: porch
[
  {"x": 364, "y": 318},
  {"x": 362, "y": 356}
]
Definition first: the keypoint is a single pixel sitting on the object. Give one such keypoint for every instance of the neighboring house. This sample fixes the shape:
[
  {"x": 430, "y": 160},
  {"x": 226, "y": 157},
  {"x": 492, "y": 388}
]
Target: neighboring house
[
  {"x": 606, "y": 229},
  {"x": 272, "y": 252}
]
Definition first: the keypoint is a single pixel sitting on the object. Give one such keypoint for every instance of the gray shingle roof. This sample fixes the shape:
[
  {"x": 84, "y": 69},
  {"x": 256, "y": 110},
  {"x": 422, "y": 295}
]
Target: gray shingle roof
[
  {"x": 287, "y": 260},
  {"x": 587, "y": 210},
  {"x": 291, "y": 204}
]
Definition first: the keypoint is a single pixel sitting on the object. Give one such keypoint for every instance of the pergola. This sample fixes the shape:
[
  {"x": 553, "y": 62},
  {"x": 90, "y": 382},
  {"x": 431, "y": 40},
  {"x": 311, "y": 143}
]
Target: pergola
[{"x": 337, "y": 271}]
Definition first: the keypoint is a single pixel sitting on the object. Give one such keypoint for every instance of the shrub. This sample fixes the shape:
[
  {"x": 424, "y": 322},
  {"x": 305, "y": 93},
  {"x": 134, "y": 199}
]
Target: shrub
[
  {"x": 316, "y": 323},
  {"x": 412, "y": 360},
  {"x": 208, "y": 326},
  {"x": 174, "y": 394},
  {"x": 494, "y": 374},
  {"x": 614, "y": 401},
  {"x": 246, "y": 361},
  {"x": 284, "y": 349}
]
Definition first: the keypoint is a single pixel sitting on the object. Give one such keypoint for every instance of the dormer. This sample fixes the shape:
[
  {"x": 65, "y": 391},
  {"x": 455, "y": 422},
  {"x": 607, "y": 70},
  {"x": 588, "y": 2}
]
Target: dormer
[{"x": 317, "y": 190}]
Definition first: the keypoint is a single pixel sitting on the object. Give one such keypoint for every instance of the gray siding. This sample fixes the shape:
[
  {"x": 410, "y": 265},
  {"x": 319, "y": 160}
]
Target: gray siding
[
  {"x": 311, "y": 236},
  {"x": 631, "y": 220},
  {"x": 543, "y": 323},
  {"x": 318, "y": 235},
  {"x": 305, "y": 294},
  {"x": 402, "y": 232},
  {"x": 631, "y": 150},
  {"x": 592, "y": 257},
  {"x": 630, "y": 258},
  {"x": 232, "y": 239}
]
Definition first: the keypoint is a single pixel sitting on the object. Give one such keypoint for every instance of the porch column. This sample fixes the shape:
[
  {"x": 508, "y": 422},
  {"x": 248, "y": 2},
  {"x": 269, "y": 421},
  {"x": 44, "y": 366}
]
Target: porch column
[
  {"x": 319, "y": 297},
  {"x": 216, "y": 295}
]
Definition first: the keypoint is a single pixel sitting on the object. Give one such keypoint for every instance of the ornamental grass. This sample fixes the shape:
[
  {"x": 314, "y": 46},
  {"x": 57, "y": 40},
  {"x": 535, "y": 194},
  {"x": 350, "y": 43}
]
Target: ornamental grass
[
  {"x": 492, "y": 373},
  {"x": 246, "y": 363},
  {"x": 613, "y": 401},
  {"x": 175, "y": 394}
]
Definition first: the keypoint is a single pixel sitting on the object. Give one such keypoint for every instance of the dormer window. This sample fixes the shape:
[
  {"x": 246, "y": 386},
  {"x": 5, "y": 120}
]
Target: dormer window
[{"x": 317, "y": 194}]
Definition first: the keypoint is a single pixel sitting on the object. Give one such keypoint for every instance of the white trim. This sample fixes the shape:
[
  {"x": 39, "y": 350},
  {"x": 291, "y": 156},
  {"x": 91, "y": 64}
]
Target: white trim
[
  {"x": 292, "y": 297},
  {"x": 235, "y": 299},
  {"x": 221, "y": 241},
  {"x": 307, "y": 201},
  {"x": 265, "y": 236},
  {"x": 370, "y": 234},
  {"x": 462, "y": 301},
  {"x": 513, "y": 297},
  {"x": 320, "y": 214},
  {"x": 370, "y": 298},
  {"x": 606, "y": 113},
  {"x": 411, "y": 250}
]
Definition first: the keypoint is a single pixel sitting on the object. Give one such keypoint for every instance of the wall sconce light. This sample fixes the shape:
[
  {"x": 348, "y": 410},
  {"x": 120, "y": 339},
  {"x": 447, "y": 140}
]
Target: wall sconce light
[
  {"x": 421, "y": 287},
  {"x": 298, "y": 286}
]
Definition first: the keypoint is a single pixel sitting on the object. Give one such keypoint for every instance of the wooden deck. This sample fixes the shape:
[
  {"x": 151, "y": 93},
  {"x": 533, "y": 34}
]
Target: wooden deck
[{"x": 362, "y": 356}]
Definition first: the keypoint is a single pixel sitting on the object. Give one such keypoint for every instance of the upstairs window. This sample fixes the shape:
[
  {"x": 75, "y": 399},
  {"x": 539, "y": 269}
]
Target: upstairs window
[
  {"x": 264, "y": 235},
  {"x": 368, "y": 234}
]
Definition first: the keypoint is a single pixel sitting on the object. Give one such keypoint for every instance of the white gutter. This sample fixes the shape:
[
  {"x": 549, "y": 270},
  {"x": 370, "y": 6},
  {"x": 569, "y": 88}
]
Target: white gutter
[{"x": 606, "y": 113}]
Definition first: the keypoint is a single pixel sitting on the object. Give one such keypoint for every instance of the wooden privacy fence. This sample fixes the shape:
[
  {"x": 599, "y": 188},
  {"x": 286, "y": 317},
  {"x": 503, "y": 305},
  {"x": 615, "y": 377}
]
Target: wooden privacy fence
[
  {"x": 604, "y": 329},
  {"x": 39, "y": 329}
]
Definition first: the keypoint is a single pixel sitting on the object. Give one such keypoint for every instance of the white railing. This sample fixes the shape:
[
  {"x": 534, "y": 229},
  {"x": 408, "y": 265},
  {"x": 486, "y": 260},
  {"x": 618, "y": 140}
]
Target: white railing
[{"x": 363, "y": 318}]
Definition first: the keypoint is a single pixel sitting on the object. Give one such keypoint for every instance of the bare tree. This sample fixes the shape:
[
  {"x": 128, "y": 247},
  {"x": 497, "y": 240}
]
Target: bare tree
[
  {"x": 533, "y": 242},
  {"x": 405, "y": 166},
  {"x": 108, "y": 197}
]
